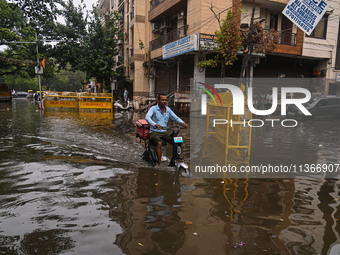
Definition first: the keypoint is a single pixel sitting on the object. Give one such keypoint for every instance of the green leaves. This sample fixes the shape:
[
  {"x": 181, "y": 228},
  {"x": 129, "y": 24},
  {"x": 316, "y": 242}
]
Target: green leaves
[
  {"x": 12, "y": 21},
  {"x": 228, "y": 41},
  {"x": 102, "y": 47},
  {"x": 85, "y": 44}
]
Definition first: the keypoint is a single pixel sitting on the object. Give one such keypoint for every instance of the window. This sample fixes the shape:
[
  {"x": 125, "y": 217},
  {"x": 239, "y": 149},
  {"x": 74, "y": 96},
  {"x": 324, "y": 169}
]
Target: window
[
  {"x": 320, "y": 30},
  {"x": 274, "y": 18}
]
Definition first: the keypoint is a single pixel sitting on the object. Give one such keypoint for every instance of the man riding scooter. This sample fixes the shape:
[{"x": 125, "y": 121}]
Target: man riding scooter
[{"x": 158, "y": 117}]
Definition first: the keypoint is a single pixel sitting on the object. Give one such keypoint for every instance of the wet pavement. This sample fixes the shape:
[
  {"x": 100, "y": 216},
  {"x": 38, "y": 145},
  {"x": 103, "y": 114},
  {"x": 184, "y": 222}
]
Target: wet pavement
[{"x": 75, "y": 183}]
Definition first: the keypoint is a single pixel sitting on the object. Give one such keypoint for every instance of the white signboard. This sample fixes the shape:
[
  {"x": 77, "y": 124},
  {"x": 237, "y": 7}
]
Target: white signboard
[
  {"x": 180, "y": 46},
  {"x": 38, "y": 70},
  {"x": 338, "y": 77},
  {"x": 207, "y": 42},
  {"x": 306, "y": 14}
]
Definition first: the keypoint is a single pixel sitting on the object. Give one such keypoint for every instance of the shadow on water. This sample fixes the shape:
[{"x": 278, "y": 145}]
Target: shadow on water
[{"x": 75, "y": 183}]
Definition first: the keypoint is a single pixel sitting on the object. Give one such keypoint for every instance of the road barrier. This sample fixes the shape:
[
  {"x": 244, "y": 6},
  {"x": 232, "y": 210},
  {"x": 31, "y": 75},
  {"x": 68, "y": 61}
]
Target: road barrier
[
  {"x": 61, "y": 99},
  {"x": 95, "y": 101},
  {"x": 78, "y": 100}
]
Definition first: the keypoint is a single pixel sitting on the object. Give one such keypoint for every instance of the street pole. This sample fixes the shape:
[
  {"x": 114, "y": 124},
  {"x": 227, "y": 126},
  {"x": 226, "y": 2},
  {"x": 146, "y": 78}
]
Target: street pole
[
  {"x": 250, "y": 59},
  {"x": 38, "y": 63}
]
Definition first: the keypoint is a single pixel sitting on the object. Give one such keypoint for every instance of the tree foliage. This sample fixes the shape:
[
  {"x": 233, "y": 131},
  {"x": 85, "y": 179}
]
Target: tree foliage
[
  {"x": 228, "y": 41},
  {"x": 69, "y": 51},
  {"x": 101, "y": 47},
  {"x": 87, "y": 45},
  {"x": 264, "y": 41},
  {"x": 90, "y": 46},
  {"x": 18, "y": 27},
  {"x": 66, "y": 80},
  {"x": 40, "y": 14},
  {"x": 12, "y": 21},
  {"x": 231, "y": 39}
]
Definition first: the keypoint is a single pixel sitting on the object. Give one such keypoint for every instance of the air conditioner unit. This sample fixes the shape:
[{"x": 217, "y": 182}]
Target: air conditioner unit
[
  {"x": 155, "y": 27},
  {"x": 181, "y": 15},
  {"x": 165, "y": 23}
]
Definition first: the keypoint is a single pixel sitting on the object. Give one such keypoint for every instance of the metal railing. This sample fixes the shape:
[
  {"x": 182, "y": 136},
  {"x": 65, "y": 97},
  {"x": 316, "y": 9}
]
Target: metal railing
[
  {"x": 287, "y": 38},
  {"x": 169, "y": 37},
  {"x": 155, "y": 3}
]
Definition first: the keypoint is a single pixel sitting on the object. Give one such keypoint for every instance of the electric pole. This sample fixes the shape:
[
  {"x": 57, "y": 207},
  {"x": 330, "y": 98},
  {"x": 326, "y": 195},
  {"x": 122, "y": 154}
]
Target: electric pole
[
  {"x": 38, "y": 71},
  {"x": 247, "y": 62}
]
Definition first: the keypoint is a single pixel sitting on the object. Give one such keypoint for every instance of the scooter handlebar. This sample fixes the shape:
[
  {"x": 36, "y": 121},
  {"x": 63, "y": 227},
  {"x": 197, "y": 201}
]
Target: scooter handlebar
[{"x": 172, "y": 127}]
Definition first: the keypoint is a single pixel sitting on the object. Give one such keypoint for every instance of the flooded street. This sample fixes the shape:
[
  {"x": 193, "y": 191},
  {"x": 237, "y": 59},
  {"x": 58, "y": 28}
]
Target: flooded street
[{"x": 75, "y": 183}]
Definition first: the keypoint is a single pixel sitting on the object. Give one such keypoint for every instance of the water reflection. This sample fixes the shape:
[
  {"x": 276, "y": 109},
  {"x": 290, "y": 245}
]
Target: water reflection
[
  {"x": 74, "y": 182},
  {"x": 154, "y": 225}
]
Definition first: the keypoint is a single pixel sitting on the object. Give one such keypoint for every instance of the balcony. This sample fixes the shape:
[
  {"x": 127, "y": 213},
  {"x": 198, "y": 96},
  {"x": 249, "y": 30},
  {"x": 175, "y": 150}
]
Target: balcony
[
  {"x": 290, "y": 43},
  {"x": 155, "y": 3},
  {"x": 169, "y": 37},
  {"x": 288, "y": 39},
  {"x": 161, "y": 8}
]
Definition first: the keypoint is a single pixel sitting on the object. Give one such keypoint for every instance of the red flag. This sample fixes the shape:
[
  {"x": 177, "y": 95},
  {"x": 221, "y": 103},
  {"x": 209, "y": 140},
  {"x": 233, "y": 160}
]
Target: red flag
[{"x": 43, "y": 62}]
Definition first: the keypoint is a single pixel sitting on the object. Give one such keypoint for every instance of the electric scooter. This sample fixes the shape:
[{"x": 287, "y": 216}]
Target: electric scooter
[{"x": 176, "y": 161}]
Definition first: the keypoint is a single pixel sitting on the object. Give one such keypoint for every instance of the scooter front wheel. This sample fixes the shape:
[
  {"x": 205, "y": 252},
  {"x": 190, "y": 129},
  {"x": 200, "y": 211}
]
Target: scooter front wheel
[{"x": 184, "y": 171}]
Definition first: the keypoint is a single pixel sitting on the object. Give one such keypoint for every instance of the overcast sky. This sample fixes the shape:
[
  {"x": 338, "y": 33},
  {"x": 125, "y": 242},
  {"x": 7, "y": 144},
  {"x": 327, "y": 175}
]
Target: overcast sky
[{"x": 88, "y": 3}]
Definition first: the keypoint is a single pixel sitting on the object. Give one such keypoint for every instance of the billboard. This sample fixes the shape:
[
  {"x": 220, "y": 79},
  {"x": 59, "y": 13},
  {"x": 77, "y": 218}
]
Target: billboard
[{"x": 306, "y": 14}]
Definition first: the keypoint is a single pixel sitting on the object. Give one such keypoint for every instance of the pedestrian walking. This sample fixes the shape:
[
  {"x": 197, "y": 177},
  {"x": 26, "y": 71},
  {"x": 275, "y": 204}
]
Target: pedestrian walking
[{"x": 126, "y": 96}]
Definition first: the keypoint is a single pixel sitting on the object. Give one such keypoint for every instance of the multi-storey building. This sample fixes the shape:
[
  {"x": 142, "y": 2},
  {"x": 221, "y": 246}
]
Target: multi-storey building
[
  {"x": 297, "y": 55},
  {"x": 175, "y": 35}
]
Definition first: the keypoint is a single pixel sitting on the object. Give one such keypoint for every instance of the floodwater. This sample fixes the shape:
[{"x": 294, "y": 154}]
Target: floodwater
[{"x": 74, "y": 183}]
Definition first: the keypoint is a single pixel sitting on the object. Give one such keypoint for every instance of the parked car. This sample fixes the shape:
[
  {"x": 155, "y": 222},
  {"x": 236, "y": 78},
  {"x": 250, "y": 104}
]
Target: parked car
[
  {"x": 321, "y": 108},
  {"x": 22, "y": 94}
]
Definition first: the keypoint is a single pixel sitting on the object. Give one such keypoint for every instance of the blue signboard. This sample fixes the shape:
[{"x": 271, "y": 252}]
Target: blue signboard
[
  {"x": 180, "y": 46},
  {"x": 306, "y": 14}
]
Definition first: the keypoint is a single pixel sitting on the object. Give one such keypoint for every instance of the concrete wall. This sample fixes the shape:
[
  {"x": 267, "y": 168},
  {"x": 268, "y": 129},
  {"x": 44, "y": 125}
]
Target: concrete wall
[{"x": 201, "y": 19}]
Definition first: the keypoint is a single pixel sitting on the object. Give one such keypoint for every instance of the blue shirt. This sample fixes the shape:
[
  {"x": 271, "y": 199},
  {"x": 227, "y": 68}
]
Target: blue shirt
[{"x": 155, "y": 117}]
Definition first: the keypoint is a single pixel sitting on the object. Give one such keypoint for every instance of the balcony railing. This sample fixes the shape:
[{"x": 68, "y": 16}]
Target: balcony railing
[
  {"x": 155, "y": 3},
  {"x": 287, "y": 38},
  {"x": 169, "y": 37}
]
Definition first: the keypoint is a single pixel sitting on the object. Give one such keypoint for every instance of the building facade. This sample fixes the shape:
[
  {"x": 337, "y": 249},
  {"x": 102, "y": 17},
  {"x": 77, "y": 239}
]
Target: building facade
[{"x": 165, "y": 39}]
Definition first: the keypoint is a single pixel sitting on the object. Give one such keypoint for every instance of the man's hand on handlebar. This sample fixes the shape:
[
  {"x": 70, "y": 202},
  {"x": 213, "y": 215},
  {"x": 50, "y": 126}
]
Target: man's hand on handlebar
[
  {"x": 185, "y": 125},
  {"x": 158, "y": 126}
]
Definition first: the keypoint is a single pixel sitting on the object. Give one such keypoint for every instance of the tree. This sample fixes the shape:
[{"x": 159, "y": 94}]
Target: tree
[
  {"x": 101, "y": 48},
  {"x": 258, "y": 40},
  {"x": 70, "y": 51},
  {"x": 228, "y": 41},
  {"x": 231, "y": 39},
  {"x": 65, "y": 81},
  {"x": 18, "y": 25},
  {"x": 40, "y": 14},
  {"x": 91, "y": 46},
  {"x": 11, "y": 21}
]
